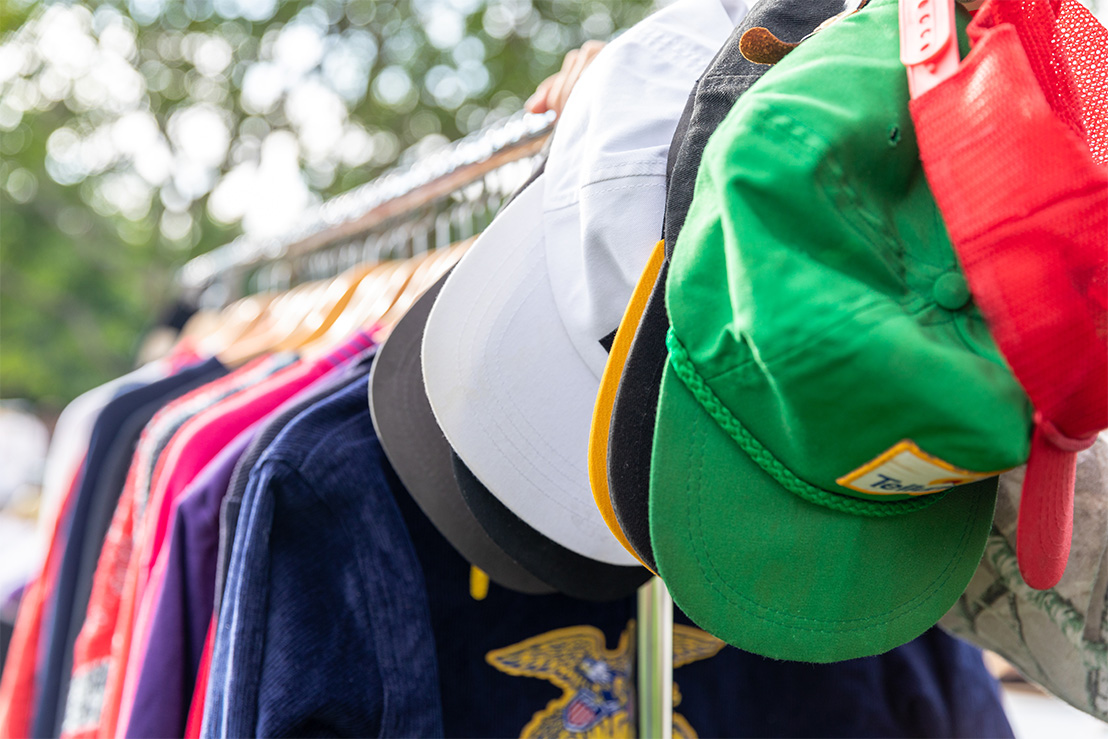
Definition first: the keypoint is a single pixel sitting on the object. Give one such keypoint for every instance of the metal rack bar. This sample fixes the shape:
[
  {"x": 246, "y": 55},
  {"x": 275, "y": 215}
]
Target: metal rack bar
[{"x": 391, "y": 195}]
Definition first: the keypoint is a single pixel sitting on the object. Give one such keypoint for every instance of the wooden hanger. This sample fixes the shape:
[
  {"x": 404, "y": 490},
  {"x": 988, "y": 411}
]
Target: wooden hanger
[
  {"x": 365, "y": 294},
  {"x": 315, "y": 317},
  {"x": 281, "y": 319},
  {"x": 437, "y": 264},
  {"x": 200, "y": 325},
  {"x": 234, "y": 321},
  {"x": 331, "y": 302},
  {"x": 459, "y": 222},
  {"x": 402, "y": 278},
  {"x": 377, "y": 287},
  {"x": 375, "y": 299}
]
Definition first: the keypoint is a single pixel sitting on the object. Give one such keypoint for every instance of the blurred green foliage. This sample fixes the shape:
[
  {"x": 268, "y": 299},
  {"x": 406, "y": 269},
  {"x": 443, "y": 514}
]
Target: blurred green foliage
[{"x": 118, "y": 121}]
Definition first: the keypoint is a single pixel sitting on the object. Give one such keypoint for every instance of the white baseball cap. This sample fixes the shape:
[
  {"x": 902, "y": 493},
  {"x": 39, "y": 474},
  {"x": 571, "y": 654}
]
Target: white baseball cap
[{"x": 515, "y": 344}]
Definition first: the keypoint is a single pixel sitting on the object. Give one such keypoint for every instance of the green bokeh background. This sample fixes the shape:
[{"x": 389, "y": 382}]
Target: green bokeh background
[{"x": 80, "y": 281}]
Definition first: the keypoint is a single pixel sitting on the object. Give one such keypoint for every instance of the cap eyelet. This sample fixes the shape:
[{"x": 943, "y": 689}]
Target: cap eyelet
[{"x": 951, "y": 291}]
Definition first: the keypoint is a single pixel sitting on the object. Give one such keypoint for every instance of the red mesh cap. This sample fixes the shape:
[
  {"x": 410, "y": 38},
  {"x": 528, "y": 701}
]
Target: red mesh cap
[{"x": 1014, "y": 145}]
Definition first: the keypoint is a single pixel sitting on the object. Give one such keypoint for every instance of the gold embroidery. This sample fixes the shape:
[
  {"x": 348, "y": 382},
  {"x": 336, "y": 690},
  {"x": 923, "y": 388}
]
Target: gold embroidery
[{"x": 596, "y": 682}]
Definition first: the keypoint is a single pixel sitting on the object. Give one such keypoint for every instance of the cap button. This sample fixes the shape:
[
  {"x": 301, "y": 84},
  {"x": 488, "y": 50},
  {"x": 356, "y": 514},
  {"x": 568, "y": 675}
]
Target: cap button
[{"x": 951, "y": 291}]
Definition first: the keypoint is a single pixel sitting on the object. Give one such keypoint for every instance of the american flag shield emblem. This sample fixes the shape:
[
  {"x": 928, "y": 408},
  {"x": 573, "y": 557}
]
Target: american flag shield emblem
[{"x": 583, "y": 712}]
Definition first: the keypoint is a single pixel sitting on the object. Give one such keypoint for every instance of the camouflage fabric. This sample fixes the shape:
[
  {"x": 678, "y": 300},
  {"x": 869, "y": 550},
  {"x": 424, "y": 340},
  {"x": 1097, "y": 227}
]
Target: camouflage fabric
[{"x": 1057, "y": 638}]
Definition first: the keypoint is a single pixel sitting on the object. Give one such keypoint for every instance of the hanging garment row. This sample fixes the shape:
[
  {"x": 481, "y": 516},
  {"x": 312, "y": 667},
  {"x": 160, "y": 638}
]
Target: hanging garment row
[{"x": 721, "y": 335}]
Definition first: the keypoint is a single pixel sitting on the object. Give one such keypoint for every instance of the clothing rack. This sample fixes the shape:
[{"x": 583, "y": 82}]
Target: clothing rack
[
  {"x": 396, "y": 195},
  {"x": 472, "y": 176}
]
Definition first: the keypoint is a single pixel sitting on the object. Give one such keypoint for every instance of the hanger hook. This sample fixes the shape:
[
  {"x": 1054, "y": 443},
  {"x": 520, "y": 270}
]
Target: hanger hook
[{"x": 465, "y": 220}]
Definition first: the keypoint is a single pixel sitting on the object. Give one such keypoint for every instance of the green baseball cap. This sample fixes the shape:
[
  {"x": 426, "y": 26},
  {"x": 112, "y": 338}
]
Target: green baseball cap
[{"x": 834, "y": 411}]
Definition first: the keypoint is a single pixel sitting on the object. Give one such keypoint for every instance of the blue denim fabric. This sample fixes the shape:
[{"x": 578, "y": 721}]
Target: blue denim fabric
[
  {"x": 232, "y": 501},
  {"x": 325, "y": 628},
  {"x": 933, "y": 686}
]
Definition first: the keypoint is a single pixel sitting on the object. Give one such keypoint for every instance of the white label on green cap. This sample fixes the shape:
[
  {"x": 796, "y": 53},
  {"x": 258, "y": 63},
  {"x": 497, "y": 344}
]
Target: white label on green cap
[{"x": 905, "y": 469}]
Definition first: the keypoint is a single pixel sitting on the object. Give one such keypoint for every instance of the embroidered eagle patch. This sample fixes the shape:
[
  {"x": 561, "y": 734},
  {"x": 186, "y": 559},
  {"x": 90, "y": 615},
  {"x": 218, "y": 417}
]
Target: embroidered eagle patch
[{"x": 597, "y": 682}]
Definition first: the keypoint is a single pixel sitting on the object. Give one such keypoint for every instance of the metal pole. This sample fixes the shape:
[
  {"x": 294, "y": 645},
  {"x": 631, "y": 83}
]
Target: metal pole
[
  {"x": 394, "y": 194},
  {"x": 655, "y": 661}
]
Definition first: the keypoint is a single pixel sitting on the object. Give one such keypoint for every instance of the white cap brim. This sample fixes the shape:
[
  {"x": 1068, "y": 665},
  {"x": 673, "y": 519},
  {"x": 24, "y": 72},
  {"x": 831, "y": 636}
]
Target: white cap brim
[{"x": 509, "y": 389}]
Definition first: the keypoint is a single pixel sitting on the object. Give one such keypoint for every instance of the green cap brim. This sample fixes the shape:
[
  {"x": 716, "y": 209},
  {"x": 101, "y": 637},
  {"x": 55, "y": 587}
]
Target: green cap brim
[{"x": 771, "y": 573}]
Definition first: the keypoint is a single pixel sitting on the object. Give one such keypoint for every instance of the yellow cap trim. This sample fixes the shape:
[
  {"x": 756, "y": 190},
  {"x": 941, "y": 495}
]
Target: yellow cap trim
[{"x": 606, "y": 398}]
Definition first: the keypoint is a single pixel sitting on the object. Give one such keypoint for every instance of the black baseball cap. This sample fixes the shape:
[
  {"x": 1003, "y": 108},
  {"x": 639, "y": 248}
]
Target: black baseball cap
[{"x": 421, "y": 455}]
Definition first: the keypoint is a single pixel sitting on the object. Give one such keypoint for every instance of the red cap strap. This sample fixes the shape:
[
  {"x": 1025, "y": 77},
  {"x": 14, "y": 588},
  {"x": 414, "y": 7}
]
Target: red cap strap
[
  {"x": 1012, "y": 145},
  {"x": 1052, "y": 434},
  {"x": 928, "y": 43}
]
